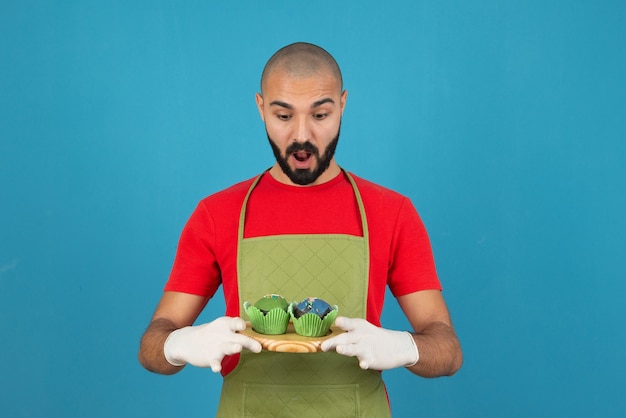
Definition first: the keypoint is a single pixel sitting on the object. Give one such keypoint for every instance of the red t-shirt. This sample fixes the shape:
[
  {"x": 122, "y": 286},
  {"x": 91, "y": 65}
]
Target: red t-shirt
[{"x": 400, "y": 251}]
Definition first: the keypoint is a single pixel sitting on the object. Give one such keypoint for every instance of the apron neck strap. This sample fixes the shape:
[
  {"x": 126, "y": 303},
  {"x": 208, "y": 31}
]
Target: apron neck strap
[{"x": 357, "y": 194}]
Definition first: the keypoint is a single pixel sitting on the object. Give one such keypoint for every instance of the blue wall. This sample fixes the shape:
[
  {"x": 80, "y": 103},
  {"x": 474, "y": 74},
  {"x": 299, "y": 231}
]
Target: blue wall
[{"x": 505, "y": 122}]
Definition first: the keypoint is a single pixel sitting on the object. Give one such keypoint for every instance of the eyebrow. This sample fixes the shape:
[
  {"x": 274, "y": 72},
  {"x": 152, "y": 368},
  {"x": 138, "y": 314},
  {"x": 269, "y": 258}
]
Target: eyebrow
[{"x": 313, "y": 106}]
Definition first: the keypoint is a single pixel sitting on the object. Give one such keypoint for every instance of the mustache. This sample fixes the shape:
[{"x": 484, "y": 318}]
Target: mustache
[{"x": 302, "y": 146}]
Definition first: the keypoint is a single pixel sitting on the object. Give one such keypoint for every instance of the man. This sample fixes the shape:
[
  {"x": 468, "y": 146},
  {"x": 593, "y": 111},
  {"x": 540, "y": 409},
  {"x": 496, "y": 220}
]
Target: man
[{"x": 304, "y": 228}]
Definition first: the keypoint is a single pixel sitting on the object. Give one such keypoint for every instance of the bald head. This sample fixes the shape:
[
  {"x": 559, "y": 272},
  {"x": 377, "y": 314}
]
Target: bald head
[{"x": 301, "y": 60}]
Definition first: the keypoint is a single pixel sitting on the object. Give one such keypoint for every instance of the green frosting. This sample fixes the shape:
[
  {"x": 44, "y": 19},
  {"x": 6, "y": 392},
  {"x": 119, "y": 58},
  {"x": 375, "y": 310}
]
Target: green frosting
[{"x": 269, "y": 302}]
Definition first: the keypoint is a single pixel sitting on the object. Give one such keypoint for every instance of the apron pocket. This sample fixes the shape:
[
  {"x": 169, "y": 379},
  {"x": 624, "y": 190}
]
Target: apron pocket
[{"x": 300, "y": 401}]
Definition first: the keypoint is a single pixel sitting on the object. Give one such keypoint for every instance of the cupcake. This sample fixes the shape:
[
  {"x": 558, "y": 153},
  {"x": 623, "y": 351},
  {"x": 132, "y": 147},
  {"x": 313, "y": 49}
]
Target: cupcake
[
  {"x": 268, "y": 315},
  {"x": 312, "y": 317}
]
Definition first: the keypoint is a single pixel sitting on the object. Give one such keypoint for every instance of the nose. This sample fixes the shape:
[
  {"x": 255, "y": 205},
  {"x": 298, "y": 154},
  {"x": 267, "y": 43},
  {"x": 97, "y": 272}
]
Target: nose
[{"x": 303, "y": 132}]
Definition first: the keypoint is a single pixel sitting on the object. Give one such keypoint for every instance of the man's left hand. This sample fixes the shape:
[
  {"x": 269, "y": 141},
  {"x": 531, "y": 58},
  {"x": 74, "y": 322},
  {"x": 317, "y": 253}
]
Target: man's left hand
[{"x": 376, "y": 348}]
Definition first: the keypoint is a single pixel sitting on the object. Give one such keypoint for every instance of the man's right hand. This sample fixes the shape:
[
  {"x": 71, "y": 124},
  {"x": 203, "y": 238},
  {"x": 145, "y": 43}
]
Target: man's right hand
[{"x": 206, "y": 345}]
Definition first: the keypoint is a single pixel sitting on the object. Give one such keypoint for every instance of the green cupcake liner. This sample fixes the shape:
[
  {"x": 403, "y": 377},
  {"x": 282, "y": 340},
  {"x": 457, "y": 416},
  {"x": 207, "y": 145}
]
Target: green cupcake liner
[
  {"x": 273, "y": 323},
  {"x": 311, "y": 325}
]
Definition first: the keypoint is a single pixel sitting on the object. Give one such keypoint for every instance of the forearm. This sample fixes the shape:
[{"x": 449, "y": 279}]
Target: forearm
[
  {"x": 151, "y": 348},
  {"x": 439, "y": 351}
]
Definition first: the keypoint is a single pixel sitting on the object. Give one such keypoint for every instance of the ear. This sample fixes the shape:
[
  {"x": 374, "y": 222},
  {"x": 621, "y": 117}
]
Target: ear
[
  {"x": 259, "y": 105},
  {"x": 344, "y": 97}
]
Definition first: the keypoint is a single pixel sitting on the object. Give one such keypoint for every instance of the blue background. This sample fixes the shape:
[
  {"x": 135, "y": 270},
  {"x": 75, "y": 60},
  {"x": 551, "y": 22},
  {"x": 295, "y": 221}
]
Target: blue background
[{"x": 504, "y": 122}]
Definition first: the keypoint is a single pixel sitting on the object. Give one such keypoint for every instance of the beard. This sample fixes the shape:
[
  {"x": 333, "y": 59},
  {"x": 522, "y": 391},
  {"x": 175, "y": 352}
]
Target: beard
[{"x": 301, "y": 176}]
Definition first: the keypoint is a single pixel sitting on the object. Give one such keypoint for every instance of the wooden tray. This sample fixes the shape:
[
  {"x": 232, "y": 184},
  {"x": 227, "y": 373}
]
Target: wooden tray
[{"x": 291, "y": 342}]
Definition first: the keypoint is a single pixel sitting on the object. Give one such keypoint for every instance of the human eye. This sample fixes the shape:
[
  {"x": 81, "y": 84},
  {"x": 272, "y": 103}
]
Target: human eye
[
  {"x": 284, "y": 117},
  {"x": 320, "y": 116}
]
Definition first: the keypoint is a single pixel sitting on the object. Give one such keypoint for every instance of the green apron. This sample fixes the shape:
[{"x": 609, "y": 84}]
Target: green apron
[{"x": 334, "y": 267}]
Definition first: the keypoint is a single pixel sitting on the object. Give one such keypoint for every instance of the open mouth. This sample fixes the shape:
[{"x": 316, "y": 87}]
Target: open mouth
[{"x": 301, "y": 156}]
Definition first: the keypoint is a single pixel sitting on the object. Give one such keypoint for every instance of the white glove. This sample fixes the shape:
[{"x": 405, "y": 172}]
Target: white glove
[
  {"x": 376, "y": 348},
  {"x": 206, "y": 345}
]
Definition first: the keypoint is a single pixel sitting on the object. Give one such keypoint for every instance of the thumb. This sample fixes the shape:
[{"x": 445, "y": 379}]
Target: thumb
[
  {"x": 236, "y": 324},
  {"x": 347, "y": 324}
]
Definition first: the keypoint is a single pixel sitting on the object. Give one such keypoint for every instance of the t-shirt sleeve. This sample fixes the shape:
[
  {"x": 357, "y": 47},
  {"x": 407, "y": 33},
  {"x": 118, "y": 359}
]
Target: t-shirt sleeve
[
  {"x": 412, "y": 266},
  {"x": 195, "y": 268}
]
